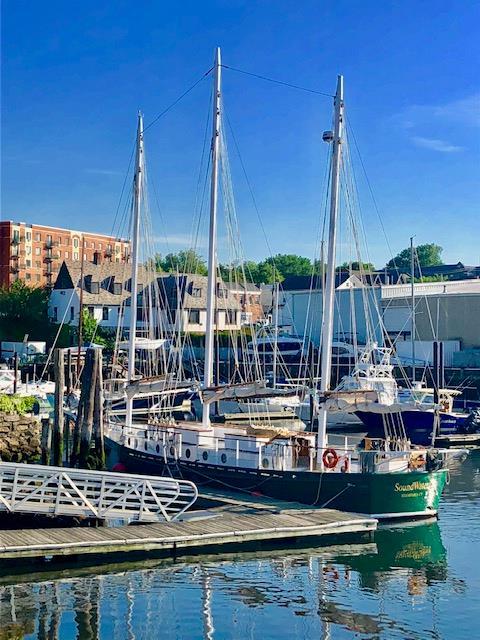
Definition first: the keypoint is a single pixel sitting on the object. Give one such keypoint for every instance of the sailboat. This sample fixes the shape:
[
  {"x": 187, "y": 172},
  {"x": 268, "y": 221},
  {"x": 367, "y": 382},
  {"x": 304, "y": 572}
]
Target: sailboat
[{"x": 386, "y": 483}]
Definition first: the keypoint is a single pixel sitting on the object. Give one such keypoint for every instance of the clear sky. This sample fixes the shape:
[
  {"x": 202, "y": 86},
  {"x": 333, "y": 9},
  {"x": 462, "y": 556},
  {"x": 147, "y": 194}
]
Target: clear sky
[{"x": 75, "y": 73}]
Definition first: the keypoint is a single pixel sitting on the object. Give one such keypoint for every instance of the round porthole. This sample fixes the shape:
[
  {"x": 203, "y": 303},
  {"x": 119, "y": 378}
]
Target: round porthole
[
  {"x": 223, "y": 458},
  {"x": 172, "y": 451},
  {"x": 128, "y": 441},
  {"x": 205, "y": 455},
  {"x": 157, "y": 448},
  {"x": 265, "y": 463},
  {"x": 188, "y": 453}
]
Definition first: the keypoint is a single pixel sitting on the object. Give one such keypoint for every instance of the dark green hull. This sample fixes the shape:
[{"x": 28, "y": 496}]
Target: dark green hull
[{"x": 382, "y": 495}]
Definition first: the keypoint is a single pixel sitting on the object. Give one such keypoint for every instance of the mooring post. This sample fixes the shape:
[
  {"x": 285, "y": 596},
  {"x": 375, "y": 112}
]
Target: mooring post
[
  {"x": 98, "y": 414},
  {"x": 46, "y": 441},
  {"x": 15, "y": 371},
  {"x": 68, "y": 380},
  {"x": 89, "y": 375},
  {"x": 58, "y": 415}
]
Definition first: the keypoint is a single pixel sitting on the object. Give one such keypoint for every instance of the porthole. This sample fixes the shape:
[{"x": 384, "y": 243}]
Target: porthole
[
  {"x": 205, "y": 455},
  {"x": 223, "y": 458},
  {"x": 265, "y": 463},
  {"x": 128, "y": 441},
  {"x": 188, "y": 453},
  {"x": 172, "y": 451},
  {"x": 145, "y": 445},
  {"x": 157, "y": 448}
]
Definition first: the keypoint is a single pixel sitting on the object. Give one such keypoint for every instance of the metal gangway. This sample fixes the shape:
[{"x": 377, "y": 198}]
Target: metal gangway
[{"x": 37, "y": 489}]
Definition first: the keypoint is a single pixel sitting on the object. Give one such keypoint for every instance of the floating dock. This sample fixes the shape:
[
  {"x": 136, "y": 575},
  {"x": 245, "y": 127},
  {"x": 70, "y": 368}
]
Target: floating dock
[{"x": 233, "y": 522}]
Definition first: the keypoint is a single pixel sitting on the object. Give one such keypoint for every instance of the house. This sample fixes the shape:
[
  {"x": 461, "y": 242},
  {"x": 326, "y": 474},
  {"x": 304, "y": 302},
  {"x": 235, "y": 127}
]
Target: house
[
  {"x": 106, "y": 293},
  {"x": 184, "y": 304},
  {"x": 164, "y": 302},
  {"x": 249, "y": 297}
]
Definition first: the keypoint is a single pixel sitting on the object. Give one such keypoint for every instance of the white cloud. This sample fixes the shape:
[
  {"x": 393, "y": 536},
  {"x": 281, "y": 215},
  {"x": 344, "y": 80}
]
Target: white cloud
[
  {"x": 181, "y": 240},
  {"x": 434, "y": 144},
  {"x": 103, "y": 172},
  {"x": 465, "y": 111}
]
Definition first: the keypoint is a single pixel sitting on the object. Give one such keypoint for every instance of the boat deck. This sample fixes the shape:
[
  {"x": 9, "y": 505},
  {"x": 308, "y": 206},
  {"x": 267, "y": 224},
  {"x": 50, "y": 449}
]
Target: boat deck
[{"x": 234, "y": 522}]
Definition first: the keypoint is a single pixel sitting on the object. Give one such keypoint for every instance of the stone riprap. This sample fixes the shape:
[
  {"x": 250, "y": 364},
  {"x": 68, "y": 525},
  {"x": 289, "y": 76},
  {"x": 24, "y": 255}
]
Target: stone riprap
[{"x": 19, "y": 438}]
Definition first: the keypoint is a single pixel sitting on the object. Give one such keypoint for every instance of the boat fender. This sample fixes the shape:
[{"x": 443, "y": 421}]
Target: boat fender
[
  {"x": 330, "y": 458},
  {"x": 345, "y": 465}
]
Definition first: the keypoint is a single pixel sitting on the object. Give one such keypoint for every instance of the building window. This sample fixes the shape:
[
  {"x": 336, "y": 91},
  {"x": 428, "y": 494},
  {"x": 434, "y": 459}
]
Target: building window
[
  {"x": 28, "y": 251},
  {"x": 37, "y": 277},
  {"x": 72, "y": 314},
  {"x": 28, "y": 236},
  {"x": 27, "y": 276},
  {"x": 38, "y": 237},
  {"x": 196, "y": 292},
  {"x": 37, "y": 251},
  {"x": 49, "y": 238},
  {"x": 75, "y": 243},
  {"x": 16, "y": 235},
  {"x": 105, "y": 312},
  {"x": 38, "y": 264},
  {"x": 222, "y": 292},
  {"x": 91, "y": 311},
  {"x": 94, "y": 287},
  {"x": 230, "y": 316},
  {"x": 66, "y": 254},
  {"x": 194, "y": 316},
  {"x": 117, "y": 288},
  {"x": 55, "y": 314},
  {"x": 28, "y": 263},
  {"x": 99, "y": 245},
  {"x": 59, "y": 240}
]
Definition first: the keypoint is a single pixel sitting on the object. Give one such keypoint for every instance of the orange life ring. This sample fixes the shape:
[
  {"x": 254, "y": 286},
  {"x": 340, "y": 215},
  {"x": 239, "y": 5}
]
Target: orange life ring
[{"x": 330, "y": 458}]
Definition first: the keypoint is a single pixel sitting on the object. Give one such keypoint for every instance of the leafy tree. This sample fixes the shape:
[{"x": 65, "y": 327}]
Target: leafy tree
[
  {"x": 24, "y": 310},
  {"x": 426, "y": 255},
  {"x": 187, "y": 261},
  {"x": 356, "y": 266},
  {"x": 277, "y": 268}
]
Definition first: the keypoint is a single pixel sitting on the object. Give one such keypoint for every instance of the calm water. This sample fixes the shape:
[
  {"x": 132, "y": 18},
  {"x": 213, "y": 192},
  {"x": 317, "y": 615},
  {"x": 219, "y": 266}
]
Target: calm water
[{"x": 412, "y": 582}]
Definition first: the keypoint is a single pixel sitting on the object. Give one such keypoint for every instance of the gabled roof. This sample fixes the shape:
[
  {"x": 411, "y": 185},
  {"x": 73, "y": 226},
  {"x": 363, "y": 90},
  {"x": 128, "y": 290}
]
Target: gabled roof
[
  {"x": 69, "y": 277},
  {"x": 178, "y": 292}
]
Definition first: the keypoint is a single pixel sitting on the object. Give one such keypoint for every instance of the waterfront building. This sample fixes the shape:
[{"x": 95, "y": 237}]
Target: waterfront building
[
  {"x": 34, "y": 253},
  {"x": 178, "y": 303}
]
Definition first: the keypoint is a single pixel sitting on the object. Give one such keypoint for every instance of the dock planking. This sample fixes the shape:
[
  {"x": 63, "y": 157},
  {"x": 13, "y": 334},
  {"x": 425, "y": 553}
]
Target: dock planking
[{"x": 230, "y": 525}]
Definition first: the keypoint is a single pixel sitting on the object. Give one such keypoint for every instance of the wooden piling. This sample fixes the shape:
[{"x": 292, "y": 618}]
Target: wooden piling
[
  {"x": 46, "y": 440},
  {"x": 88, "y": 381},
  {"x": 98, "y": 415},
  {"x": 58, "y": 415}
]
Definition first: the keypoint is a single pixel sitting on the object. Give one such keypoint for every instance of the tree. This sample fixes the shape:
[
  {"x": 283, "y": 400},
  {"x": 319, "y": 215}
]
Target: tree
[
  {"x": 356, "y": 266},
  {"x": 24, "y": 310},
  {"x": 426, "y": 255},
  {"x": 279, "y": 267},
  {"x": 187, "y": 261}
]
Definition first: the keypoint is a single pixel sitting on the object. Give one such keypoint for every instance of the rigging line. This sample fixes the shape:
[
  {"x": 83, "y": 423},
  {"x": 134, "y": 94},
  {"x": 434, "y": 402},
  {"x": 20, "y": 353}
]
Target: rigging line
[
  {"x": 281, "y": 82},
  {"x": 370, "y": 188},
  {"x": 175, "y": 102}
]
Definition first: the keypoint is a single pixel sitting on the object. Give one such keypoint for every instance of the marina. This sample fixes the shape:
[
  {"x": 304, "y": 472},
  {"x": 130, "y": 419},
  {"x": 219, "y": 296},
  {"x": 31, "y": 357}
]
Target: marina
[{"x": 239, "y": 378}]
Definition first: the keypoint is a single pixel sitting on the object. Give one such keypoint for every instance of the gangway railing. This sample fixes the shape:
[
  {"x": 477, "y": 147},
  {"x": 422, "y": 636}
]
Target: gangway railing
[{"x": 36, "y": 489}]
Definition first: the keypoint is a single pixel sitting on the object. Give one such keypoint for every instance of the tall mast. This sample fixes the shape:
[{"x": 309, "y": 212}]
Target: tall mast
[
  {"x": 212, "y": 244},
  {"x": 137, "y": 195},
  {"x": 412, "y": 295},
  {"x": 329, "y": 293}
]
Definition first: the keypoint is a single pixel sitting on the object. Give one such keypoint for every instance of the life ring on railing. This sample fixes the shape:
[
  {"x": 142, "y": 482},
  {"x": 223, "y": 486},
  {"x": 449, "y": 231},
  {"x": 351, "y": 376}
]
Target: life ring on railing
[
  {"x": 345, "y": 466},
  {"x": 330, "y": 458}
]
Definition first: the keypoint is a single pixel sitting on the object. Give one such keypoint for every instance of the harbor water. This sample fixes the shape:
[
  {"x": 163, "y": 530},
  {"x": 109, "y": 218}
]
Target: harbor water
[{"x": 417, "y": 581}]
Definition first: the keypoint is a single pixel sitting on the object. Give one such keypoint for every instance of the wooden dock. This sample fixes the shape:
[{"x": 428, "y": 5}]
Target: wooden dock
[{"x": 225, "y": 527}]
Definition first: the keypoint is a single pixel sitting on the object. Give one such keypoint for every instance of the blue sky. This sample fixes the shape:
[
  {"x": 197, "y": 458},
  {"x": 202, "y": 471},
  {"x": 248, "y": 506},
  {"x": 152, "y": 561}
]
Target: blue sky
[{"x": 75, "y": 73}]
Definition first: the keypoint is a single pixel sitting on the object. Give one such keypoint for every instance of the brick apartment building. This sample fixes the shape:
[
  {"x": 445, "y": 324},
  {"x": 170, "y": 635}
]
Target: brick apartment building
[{"x": 34, "y": 253}]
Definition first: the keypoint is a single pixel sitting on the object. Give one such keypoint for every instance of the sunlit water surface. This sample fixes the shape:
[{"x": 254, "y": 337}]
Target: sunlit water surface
[{"x": 418, "y": 581}]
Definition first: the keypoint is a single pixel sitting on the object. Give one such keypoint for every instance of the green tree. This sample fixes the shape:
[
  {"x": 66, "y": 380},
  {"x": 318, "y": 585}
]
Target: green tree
[
  {"x": 282, "y": 265},
  {"x": 24, "y": 310},
  {"x": 356, "y": 266},
  {"x": 426, "y": 255},
  {"x": 187, "y": 261}
]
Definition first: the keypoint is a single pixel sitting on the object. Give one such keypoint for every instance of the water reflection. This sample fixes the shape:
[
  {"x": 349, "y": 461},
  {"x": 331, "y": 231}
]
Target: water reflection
[
  {"x": 204, "y": 596},
  {"x": 404, "y": 585}
]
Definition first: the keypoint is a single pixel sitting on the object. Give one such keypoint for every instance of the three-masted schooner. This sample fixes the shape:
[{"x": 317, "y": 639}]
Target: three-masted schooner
[{"x": 278, "y": 462}]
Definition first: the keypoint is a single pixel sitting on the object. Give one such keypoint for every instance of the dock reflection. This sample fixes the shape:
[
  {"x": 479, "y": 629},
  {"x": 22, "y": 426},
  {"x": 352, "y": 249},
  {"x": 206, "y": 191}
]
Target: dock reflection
[{"x": 153, "y": 599}]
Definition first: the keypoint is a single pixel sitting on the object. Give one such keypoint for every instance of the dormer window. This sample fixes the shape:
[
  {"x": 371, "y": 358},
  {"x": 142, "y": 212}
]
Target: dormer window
[
  {"x": 117, "y": 288},
  {"x": 196, "y": 292},
  {"x": 94, "y": 287},
  {"x": 222, "y": 291}
]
